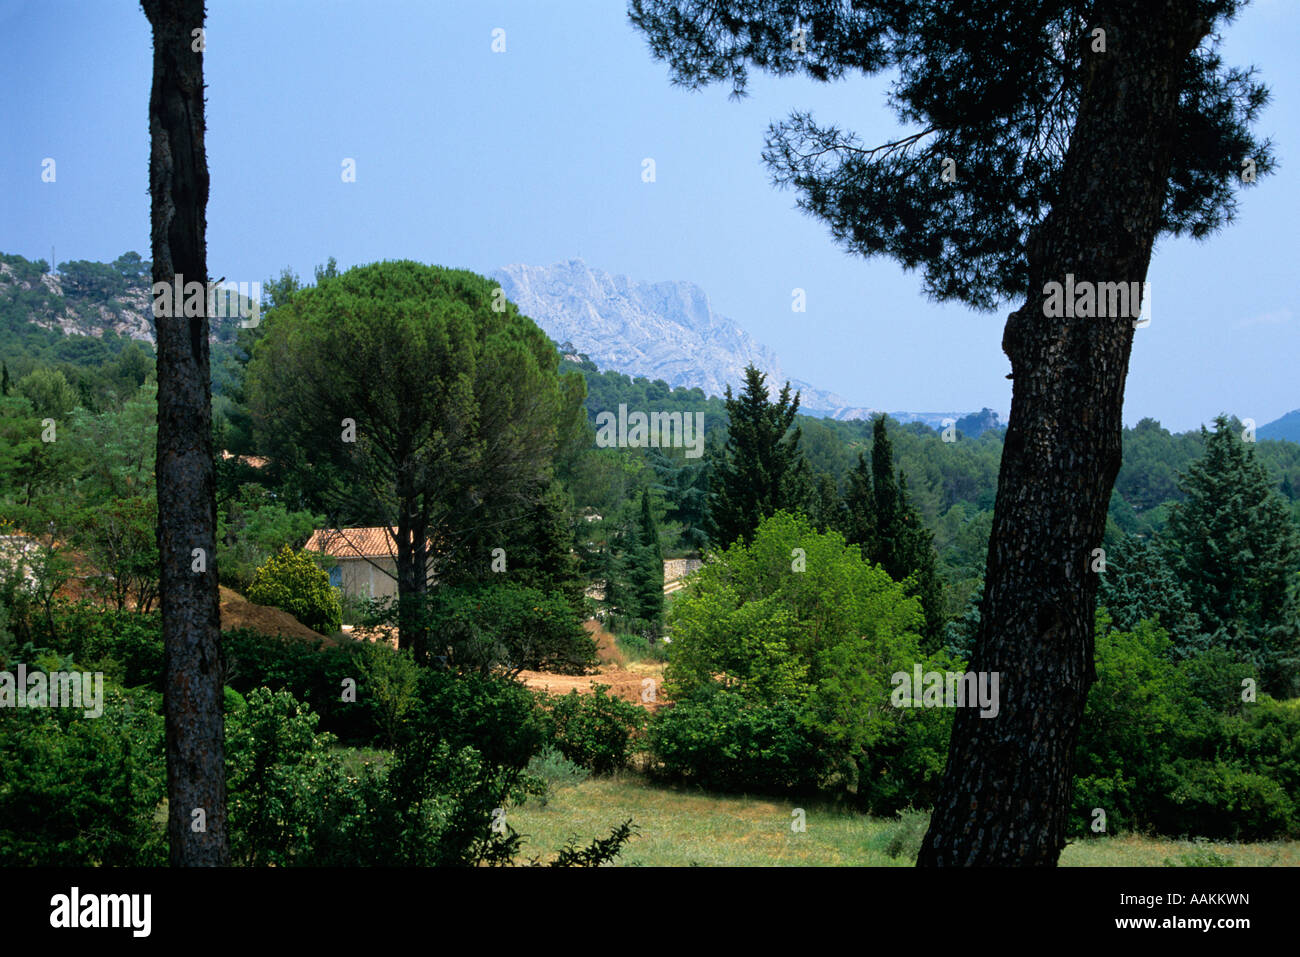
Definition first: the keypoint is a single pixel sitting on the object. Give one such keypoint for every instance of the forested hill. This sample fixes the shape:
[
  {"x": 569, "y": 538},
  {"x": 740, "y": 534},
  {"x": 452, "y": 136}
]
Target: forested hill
[{"x": 90, "y": 322}]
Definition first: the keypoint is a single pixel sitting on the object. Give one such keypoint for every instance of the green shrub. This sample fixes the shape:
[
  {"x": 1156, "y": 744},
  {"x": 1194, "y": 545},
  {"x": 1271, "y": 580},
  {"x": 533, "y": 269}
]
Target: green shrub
[
  {"x": 720, "y": 741},
  {"x": 1200, "y": 857},
  {"x": 637, "y": 647},
  {"x": 389, "y": 679},
  {"x": 507, "y": 627},
  {"x": 312, "y": 671},
  {"x": 84, "y": 792},
  {"x": 557, "y": 770},
  {"x": 296, "y": 584},
  {"x": 1221, "y": 799},
  {"x": 906, "y": 765},
  {"x": 907, "y": 834},
  {"x": 1126, "y": 735},
  {"x": 275, "y": 765},
  {"x": 596, "y": 730},
  {"x": 125, "y": 645},
  {"x": 500, "y": 718},
  {"x": 801, "y": 660},
  {"x": 1174, "y": 748},
  {"x": 251, "y": 527}
]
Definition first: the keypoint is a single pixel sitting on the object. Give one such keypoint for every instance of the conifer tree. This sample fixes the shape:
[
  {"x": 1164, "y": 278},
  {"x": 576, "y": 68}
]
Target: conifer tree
[
  {"x": 858, "y": 520},
  {"x": 1236, "y": 549},
  {"x": 1139, "y": 584},
  {"x": 761, "y": 468},
  {"x": 879, "y": 519},
  {"x": 824, "y": 505},
  {"x": 649, "y": 562}
]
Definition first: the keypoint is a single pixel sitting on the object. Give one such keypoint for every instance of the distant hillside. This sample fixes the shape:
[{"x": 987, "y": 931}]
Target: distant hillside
[
  {"x": 1287, "y": 427},
  {"x": 39, "y": 308}
]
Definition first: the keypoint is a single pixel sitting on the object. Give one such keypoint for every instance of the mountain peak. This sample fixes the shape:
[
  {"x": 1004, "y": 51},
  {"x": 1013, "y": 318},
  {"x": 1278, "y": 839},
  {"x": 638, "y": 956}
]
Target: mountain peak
[{"x": 661, "y": 330}]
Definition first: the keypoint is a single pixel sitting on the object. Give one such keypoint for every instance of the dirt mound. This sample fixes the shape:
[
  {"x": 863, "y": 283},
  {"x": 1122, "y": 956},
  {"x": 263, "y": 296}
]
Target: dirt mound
[
  {"x": 607, "y": 650},
  {"x": 239, "y": 612}
]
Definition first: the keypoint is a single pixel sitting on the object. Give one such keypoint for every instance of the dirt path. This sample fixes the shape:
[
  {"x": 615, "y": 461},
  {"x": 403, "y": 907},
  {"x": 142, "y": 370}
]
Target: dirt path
[{"x": 639, "y": 681}]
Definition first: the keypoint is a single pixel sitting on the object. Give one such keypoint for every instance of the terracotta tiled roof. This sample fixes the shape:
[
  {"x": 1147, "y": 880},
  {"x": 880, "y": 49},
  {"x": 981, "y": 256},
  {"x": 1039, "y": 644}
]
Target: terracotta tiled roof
[
  {"x": 373, "y": 542},
  {"x": 254, "y": 461}
]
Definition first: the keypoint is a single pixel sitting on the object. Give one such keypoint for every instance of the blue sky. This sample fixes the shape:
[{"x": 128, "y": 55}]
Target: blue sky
[{"x": 466, "y": 157}]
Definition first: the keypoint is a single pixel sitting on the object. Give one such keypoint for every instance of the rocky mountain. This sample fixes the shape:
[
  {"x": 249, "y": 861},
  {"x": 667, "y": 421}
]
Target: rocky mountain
[
  {"x": 660, "y": 330},
  {"x": 666, "y": 330},
  {"x": 86, "y": 299},
  {"x": 91, "y": 299}
]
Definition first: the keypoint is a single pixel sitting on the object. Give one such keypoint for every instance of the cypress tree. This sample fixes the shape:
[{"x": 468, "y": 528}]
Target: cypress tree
[
  {"x": 824, "y": 506},
  {"x": 1236, "y": 549},
  {"x": 760, "y": 469},
  {"x": 879, "y": 518},
  {"x": 649, "y": 559},
  {"x": 858, "y": 520}
]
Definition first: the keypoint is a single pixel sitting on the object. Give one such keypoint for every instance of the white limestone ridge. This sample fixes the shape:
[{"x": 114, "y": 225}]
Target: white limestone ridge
[{"x": 660, "y": 330}]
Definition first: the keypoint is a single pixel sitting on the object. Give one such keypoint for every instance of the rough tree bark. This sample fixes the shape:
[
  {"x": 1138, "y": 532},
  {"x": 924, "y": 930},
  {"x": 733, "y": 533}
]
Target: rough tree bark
[
  {"x": 187, "y": 510},
  {"x": 1006, "y": 792}
]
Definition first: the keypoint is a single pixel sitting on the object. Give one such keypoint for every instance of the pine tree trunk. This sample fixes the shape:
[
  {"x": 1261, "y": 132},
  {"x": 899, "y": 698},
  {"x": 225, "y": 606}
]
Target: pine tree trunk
[
  {"x": 187, "y": 510},
  {"x": 412, "y": 559},
  {"x": 1007, "y": 789}
]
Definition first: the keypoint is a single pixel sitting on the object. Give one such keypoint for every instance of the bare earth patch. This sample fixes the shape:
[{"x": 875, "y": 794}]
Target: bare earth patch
[{"x": 626, "y": 680}]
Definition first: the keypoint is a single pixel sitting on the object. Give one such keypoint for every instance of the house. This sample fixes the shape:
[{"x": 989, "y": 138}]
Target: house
[{"x": 365, "y": 559}]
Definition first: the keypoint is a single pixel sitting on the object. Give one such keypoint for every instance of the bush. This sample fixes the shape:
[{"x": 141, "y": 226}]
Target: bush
[
  {"x": 906, "y": 765},
  {"x": 275, "y": 764},
  {"x": 499, "y": 718},
  {"x": 1221, "y": 799},
  {"x": 801, "y": 659},
  {"x": 84, "y": 792},
  {"x": 312, "y": 671},
  {"x": 294, "y": 583},
  {"x": 1173, "y": 747},
  {"x": 596, "y": 730},
  {"x": 126, "y": 645},
  {"x": 557, "y": 770},
  {"x": 720, "y": 741},
  {"x": 1200, "y": 857},
  {"x": 907, "y": 835},
  {"x": 292, "y": 800},
  {"x": 505, "y": 626},
  {"x": 389, "y": 679},
  {"x": 251, "y": 528},
  {"x": 637, "y": 647},
  {"x": 1126, "y": 734}
]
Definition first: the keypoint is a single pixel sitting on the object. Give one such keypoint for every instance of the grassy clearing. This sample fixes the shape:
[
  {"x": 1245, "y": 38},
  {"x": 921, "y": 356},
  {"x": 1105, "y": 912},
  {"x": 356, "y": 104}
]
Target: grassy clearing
[{"x": 678, "y": 827}]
